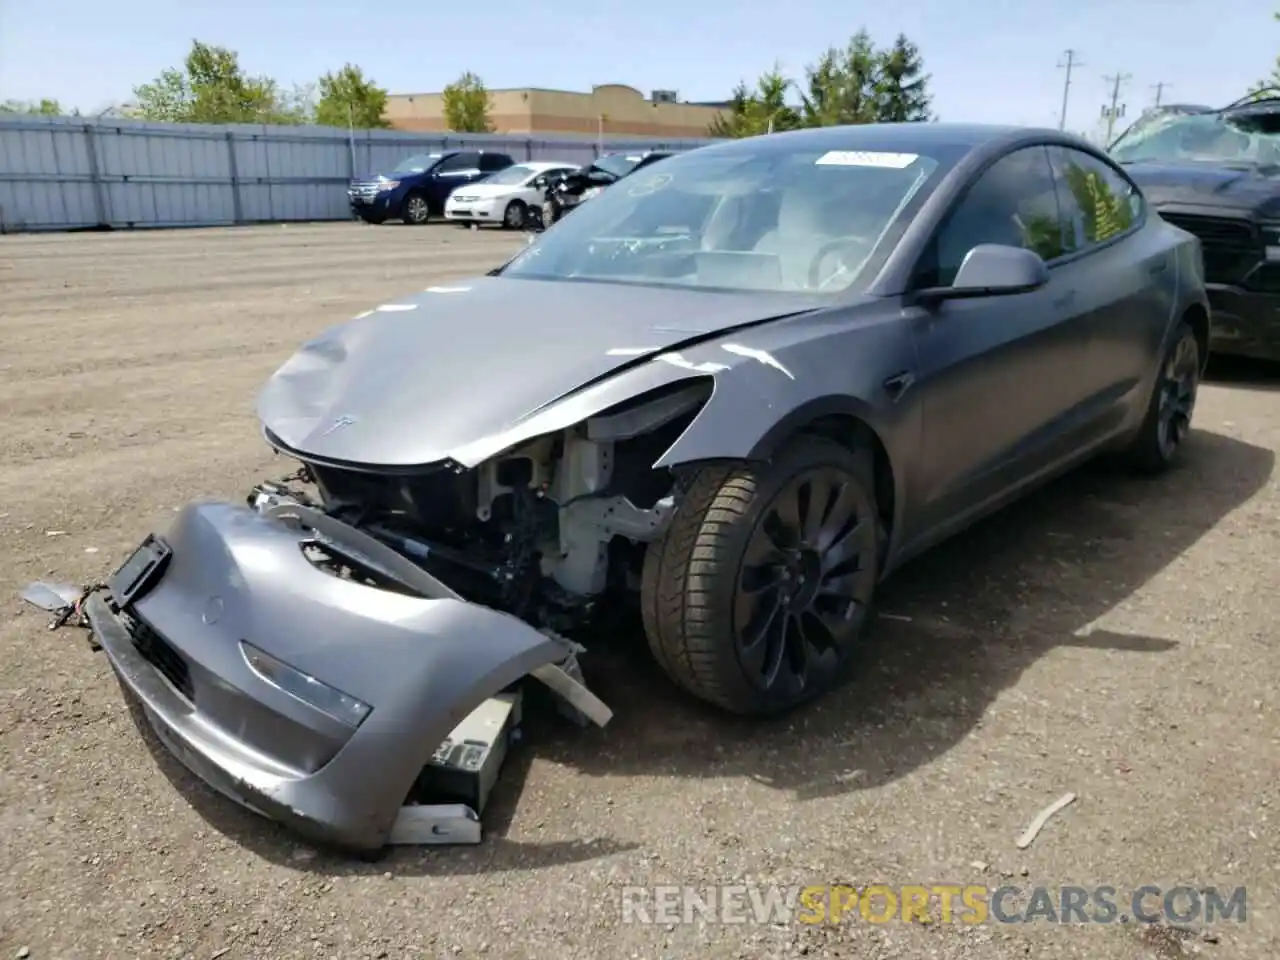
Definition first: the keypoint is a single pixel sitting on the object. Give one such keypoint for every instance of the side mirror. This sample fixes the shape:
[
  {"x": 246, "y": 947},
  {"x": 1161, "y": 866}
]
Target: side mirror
[{"x": 993, "y": 270}]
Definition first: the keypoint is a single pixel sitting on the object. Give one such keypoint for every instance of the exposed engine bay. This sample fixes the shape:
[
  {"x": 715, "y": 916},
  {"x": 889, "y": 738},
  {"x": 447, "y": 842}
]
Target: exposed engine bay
[{"x": 544, "y": 531}]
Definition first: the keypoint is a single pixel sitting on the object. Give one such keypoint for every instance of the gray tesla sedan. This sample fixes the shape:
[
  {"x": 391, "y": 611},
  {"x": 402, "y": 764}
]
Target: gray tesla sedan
[{"x": 739, "y": 388}]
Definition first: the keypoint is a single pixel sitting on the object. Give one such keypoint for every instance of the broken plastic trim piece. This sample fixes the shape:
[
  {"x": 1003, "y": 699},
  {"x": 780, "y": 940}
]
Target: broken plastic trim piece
[
  {"x": 575, "y": 693},
  {"x": 435, "y": 823}
]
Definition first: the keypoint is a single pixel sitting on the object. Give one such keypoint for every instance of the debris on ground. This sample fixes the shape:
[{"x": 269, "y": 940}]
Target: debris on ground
[{"x": 1042, "y": 818}]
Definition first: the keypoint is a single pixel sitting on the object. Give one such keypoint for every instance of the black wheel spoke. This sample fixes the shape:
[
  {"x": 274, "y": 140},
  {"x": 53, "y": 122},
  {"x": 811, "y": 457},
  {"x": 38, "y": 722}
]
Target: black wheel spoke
[
  {"x": 797, "y": 650},
  {"x": 844, "y": 557},
  {"x": 763, "y": 633},
  {"x": 806, "y": 576}
]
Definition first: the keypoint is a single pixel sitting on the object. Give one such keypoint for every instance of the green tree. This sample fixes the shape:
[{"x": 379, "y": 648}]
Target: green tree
[
  {"x": 348, "y": 97},
  {"x": 466, "y": 105},
  {"x": 762, "y": 110},
  {"x": 902, "y": 86},
  {"x": 43, "y": 107},
  {"x": 213, "y": 88},
  {"x": 841, "y": 87}
]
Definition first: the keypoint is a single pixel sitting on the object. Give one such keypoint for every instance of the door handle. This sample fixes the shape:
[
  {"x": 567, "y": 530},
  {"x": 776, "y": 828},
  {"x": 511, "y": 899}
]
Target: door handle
[
  {"x": 1157, "y": 268},
  {"x": 1065, "y": 300}
]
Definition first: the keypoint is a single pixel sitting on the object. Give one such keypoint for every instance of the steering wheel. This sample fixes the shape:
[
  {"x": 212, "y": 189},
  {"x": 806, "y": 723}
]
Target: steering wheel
[{"x": 858, "y": 245}]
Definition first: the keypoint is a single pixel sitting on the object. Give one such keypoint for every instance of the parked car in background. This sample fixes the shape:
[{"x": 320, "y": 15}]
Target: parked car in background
[
  {"x": 416, "y": 189},
  {"x": 587, "y": 182},
  {"x": 1216, "y": 174},
  {"x": 511, "y": 198}
]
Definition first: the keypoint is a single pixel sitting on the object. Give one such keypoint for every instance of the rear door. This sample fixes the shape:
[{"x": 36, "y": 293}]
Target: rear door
[
  {"x": 1123, "y": 270},
  {"x": 995, "y": 373}
]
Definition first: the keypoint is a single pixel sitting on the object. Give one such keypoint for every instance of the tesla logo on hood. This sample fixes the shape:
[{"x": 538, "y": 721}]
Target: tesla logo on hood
[{"x": 338, "y": 425}]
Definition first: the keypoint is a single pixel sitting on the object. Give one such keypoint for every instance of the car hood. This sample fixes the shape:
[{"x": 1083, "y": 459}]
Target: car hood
[
  {"x": 1202, "y": 184},
  {"x": 409, "y": 382},
  {"x": 384, "y": 175}
]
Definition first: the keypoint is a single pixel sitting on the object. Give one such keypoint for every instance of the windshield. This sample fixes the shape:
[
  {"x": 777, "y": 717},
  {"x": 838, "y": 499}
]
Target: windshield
[
  {"x": 1201, "y": 138},
  {"x": 418, "y": 163},
  {"x": 511, "y": 176},
  {"x": 616, "y": 164},
  {"x": 767, "y": 219}
]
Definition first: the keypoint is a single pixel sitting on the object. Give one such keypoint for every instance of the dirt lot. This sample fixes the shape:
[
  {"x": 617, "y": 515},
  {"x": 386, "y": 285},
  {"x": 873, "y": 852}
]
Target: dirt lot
[{"x": 1109, "y": 637}]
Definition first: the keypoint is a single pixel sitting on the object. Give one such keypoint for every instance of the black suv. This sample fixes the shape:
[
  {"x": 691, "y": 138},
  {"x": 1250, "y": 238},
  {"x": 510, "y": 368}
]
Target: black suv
[
  {"x": 1216, "y": 174},
  {"x": 416, "y": 188}
]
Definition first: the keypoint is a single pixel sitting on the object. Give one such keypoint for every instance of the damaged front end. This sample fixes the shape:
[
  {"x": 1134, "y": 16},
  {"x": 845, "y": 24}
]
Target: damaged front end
[{"x": 345, "y": 652}]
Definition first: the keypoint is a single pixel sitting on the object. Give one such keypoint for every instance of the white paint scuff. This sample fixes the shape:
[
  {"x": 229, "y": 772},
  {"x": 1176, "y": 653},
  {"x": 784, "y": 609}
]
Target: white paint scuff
[{"x": 763, "y": 356}]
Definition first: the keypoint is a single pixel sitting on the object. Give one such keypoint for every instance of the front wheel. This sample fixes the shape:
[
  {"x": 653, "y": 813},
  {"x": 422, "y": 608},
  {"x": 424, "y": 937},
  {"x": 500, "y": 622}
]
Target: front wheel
[
  {"x": 514, "y": 217},
  {"x": 758, "y": 593},
  {"x": 1173, "y": 401}
]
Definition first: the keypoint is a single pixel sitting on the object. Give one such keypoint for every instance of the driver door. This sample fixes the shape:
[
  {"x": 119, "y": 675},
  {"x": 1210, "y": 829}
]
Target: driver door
[{"x": 997, "y": 375}]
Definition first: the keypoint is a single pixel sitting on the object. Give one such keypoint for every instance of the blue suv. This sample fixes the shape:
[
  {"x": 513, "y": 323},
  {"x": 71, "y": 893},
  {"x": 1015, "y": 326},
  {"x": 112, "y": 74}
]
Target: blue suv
[{"x": 415, "y": 191}]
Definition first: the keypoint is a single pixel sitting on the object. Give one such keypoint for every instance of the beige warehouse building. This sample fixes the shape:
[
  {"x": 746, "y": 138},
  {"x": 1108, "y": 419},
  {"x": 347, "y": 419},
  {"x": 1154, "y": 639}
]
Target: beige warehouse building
[{"x": 611, "y": 109}]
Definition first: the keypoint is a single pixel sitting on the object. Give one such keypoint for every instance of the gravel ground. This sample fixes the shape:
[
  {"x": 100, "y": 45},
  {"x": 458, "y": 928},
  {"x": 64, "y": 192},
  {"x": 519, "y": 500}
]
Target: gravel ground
[{"x": 1108, "y": 637}]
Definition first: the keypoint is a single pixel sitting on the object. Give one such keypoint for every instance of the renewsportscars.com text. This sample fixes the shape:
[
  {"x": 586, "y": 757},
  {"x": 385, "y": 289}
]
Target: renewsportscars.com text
[{"x": 933, "y": 903}]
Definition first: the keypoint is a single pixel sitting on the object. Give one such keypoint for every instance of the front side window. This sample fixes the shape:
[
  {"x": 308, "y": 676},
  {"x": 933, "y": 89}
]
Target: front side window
[
  {"x": 418, "y": 163},
  {"x": 1012, "y": 203},
  {"x": 1096, "y": 202},
  {"x": 744, "y": 216},
  {"x": 459, "y": 163}
]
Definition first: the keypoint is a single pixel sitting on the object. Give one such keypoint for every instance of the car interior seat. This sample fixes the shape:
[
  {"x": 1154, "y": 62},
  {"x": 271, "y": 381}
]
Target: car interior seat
[{"x": 808, "y": 219}]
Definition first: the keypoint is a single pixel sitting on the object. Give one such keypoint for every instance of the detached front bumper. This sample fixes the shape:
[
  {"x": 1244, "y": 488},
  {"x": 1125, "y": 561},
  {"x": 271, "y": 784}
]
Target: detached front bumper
[
  {"x": 421, "y": 663},
  {"x": 1244, "y": 322}
]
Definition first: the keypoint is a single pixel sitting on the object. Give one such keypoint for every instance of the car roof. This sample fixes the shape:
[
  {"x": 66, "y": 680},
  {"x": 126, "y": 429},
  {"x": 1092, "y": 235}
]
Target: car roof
[{"x": 904, "y": 137}]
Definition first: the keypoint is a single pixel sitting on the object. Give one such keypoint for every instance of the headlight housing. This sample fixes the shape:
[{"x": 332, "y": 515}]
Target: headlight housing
[
  {"x": 1271, "y": 241},
  {"x": 385, "y": 185},
  {"x": 330, "y": 701}
]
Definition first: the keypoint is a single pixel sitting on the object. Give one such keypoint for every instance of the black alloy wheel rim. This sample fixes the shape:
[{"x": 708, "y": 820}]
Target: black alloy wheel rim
[
  {"x": 1178, "y": 382},
  {"x": 806, "y": 580}
]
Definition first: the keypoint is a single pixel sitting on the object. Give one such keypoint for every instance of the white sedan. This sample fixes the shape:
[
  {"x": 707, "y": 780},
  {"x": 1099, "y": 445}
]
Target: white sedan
[{"x": 506, "y": 197}]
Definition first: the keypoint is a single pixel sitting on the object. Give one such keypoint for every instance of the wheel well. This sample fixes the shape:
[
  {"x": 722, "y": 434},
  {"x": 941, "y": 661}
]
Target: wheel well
[
  {"x": 1198, "y": 318},
  {"x": 851, "y": 432}
]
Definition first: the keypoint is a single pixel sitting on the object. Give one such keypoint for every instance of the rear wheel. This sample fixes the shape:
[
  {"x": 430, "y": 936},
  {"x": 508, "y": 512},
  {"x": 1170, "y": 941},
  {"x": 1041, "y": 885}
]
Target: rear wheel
[
  {"x": 415, "y": 210},
  {"x": 1173, "y": 401},
  {"x": 758, "y": 593}
]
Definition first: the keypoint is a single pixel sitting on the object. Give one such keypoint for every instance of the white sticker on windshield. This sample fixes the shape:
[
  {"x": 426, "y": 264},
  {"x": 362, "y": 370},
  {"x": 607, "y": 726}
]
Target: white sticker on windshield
[{"x": 866, "y": 158}]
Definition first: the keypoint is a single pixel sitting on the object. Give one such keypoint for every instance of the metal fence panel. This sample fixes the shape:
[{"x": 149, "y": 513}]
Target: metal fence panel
[{"x": 65, "y": 173}]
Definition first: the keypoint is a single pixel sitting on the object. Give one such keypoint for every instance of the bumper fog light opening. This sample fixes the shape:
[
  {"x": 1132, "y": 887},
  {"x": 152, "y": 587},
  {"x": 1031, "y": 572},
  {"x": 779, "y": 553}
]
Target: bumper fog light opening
[{"x": 305, "y": 688}]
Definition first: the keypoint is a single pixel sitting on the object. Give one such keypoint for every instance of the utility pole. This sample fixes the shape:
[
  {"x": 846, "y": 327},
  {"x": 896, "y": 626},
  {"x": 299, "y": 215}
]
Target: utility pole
[
  {"x": 1069, "y": 62},
  {"x": 1115, "y": 111},
  {"x": 1159, "y": 89}
]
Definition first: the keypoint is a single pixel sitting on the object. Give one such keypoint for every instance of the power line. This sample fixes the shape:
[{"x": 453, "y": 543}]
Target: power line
[
  {"x": 1116, "y": 110},
  {"x": 1069, "y": 62}
]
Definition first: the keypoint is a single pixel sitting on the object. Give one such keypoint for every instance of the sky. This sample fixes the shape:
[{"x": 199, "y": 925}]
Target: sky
[{"x": 990, "y": 60}]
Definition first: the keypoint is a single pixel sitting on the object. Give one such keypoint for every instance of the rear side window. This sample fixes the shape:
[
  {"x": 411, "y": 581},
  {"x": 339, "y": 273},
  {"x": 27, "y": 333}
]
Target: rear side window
[
  {"x": 1097, "y": 203},
  {"x": 1013, "y": 202},
  {"x": 491, "y": 162},
  {"x": 459, "y": 163}
]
